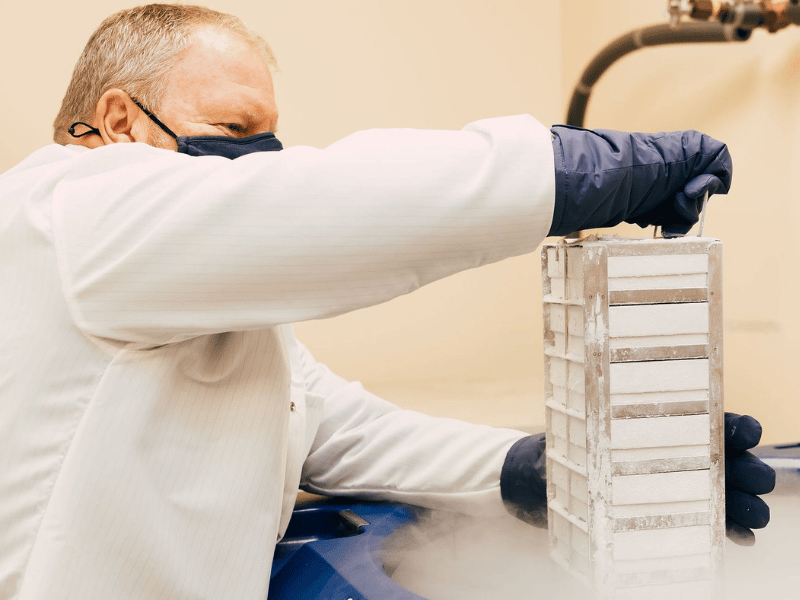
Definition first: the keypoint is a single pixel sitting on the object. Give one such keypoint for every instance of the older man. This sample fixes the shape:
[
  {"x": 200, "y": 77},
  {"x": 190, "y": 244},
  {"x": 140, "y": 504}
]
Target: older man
[{"x": 157, "y": 414}]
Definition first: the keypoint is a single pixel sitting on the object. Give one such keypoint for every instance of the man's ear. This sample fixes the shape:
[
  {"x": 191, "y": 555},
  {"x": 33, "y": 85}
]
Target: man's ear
[{"x": 119, "y": 119}]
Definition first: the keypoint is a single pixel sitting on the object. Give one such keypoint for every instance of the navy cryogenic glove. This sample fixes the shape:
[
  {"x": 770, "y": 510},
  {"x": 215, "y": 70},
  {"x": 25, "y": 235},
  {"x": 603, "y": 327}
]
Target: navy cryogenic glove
[
  {"x": 524, "y": 489},
  {"x": 746, "y": 477},
  {"x": 604, "y": 177},
  {"x": 523, "y": 480}
]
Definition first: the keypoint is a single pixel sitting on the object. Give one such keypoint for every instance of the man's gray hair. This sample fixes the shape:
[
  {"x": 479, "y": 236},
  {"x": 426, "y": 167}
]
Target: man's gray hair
[{"x": 135, "y": 50}]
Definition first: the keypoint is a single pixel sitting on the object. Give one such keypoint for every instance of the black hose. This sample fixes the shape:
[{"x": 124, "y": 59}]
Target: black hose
[{"x": 655, "y": 35}]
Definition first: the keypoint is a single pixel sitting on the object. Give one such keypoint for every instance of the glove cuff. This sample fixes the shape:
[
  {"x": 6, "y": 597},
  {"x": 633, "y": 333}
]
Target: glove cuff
[
  {"x": 593, "y": 178},
  {"x": 556, "y": 227}
]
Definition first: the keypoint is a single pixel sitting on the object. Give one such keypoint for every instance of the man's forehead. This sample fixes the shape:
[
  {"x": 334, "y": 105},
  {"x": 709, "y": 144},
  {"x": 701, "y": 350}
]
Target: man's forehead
[
  {"x": 220, "y": 71},
  {"x": 236, "y": 101},
  {"x": 215, "y": 54}
]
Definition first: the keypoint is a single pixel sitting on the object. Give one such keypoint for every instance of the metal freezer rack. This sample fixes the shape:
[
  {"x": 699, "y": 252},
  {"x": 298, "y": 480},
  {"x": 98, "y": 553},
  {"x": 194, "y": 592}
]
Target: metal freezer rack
[{"x": 633, "y": 389}]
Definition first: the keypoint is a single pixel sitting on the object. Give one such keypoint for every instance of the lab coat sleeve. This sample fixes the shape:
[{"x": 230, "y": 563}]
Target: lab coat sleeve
[
  {"x": 156, "y": 247},
  {"x": 368, "y": 448}
]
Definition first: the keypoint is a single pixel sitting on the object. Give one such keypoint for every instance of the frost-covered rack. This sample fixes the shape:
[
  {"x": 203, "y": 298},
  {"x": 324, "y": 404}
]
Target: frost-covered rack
[{"x": 633, "y": 389}]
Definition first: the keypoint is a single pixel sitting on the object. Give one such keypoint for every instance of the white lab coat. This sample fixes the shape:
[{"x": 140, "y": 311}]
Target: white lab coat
[{"x": 156, "y": 412}]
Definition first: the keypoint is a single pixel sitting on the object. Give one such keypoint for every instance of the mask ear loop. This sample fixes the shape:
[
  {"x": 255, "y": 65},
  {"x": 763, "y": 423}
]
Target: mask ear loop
[
  {"x": 92, "y": 130},
  {"x": 96, "y": 131},
  {"x": 155, "y": 119}
]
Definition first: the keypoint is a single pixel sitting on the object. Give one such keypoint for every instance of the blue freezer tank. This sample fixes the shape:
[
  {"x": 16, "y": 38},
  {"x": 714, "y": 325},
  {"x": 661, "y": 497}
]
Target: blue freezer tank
[{"x": 333, "y": 551}]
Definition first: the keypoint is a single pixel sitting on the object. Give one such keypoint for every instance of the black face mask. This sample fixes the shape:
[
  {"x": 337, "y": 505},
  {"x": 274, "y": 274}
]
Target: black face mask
[{"x": 204, "y": 145}]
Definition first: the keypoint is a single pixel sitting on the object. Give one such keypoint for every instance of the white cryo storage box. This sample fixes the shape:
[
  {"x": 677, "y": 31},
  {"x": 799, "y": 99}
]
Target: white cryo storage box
[{"x": 633, "y": 390}]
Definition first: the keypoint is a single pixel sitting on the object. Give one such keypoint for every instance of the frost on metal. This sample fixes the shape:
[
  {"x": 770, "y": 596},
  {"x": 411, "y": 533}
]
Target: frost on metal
[{"x": 633, "y": 389}]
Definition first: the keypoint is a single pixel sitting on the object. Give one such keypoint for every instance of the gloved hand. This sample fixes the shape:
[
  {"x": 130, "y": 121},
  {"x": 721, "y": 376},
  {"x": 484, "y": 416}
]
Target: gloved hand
[
  {"x": 604, "y": 177},
  {"x": 523, "y": 479},
  {"x": 746, "y": 476}
]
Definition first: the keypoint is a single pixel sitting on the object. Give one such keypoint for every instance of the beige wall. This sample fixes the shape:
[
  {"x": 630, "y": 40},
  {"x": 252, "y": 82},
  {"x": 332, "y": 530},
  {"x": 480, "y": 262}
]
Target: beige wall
[
  {"x": 433, "y": 64},
  {"x": 749, "y": 96},
  {"x": 354, "y": 64}
]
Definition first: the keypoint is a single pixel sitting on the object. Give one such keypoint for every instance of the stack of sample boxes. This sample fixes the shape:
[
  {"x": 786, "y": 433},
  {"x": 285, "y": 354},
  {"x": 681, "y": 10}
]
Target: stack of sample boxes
[{"x": 633, "y": 390}]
